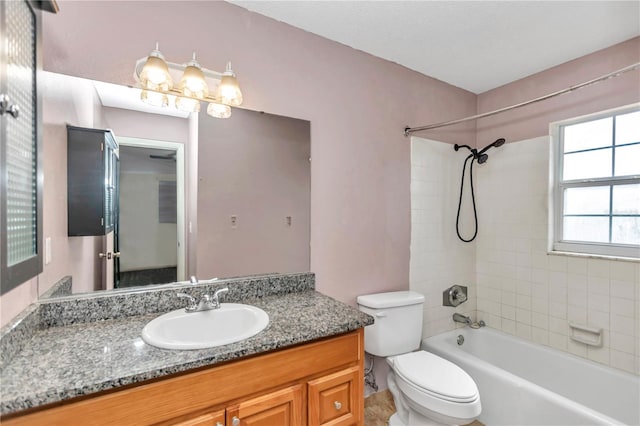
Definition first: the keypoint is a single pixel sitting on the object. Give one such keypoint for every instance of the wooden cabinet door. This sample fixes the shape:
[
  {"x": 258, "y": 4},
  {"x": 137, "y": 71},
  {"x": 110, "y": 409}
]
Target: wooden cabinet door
[
  {"x": 282, "y": 408},
  {"x": 209, "y": 419},
  {"x": 335, "y": 399}
]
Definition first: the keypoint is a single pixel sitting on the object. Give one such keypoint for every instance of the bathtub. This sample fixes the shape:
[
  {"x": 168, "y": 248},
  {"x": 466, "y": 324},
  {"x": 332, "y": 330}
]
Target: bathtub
[{"x": 522, "y": 383}]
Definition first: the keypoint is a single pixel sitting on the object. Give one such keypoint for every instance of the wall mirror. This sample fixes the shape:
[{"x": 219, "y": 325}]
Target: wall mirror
[{"x": 196, "y": 195}]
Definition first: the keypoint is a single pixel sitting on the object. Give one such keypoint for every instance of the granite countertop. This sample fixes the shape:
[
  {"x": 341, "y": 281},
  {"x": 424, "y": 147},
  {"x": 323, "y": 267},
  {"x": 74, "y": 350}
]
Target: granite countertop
[{"x": 79, "y": 359}]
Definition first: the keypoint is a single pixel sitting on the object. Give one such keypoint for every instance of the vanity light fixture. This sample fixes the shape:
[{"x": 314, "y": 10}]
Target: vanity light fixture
[
  {"x": 219, "y": 110},
  {"x": 154, "y": 98},
  {"x": 192, "y": 83},
  {"x": 228, "y": 90},
  {"x": 155, "y": 72},
  {"x": 156, "y": 76},
  {"x": 187, "y": 104}
]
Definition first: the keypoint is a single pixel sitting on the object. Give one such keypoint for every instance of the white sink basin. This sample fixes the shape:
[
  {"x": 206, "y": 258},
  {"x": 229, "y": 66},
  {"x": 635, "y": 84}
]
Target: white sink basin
[{"x": 231, "y": 323}]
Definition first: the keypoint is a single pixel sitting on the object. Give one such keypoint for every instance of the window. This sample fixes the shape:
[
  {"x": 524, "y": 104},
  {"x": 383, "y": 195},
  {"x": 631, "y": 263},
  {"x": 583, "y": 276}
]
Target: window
[
  {"x": 167, "y": 201},
  {"x": 596, "y": 203}
]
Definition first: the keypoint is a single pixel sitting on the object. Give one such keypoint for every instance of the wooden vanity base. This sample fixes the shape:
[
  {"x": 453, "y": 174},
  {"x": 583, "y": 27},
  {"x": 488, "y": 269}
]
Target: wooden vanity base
[{"x": 319, "y": 383}]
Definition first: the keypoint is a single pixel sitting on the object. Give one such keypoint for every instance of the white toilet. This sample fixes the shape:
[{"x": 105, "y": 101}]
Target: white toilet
[{"x": 427, "y": 389}]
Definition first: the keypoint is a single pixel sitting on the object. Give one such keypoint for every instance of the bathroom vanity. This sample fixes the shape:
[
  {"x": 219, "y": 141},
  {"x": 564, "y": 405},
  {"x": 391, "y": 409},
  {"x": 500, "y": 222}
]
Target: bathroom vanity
[
  {"x": 316, "y": 384},
  {"x": 305, "y": 368}
]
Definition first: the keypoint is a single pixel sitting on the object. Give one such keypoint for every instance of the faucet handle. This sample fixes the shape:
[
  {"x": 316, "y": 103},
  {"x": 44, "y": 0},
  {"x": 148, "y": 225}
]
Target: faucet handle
[
  {"x": 215, "y": 299},
  {"x": 193, "y": 304},
  {"x": 207, "y": 302},
  {"x": 220, "y": 291}
]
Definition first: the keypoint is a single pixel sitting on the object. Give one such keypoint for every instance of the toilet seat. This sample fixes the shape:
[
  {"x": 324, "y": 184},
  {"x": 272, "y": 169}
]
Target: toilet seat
[{"x": 436, "y": 376}]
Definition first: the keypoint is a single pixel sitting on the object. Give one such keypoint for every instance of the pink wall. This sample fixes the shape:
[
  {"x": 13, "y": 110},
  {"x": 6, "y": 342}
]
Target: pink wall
[
  {"x": 533, "y": 120},
  {"x": 16, "y": 300},
  {"x": 134, "y": 124},
  {"x": 357, "y": 105},
  {"x": 256, "y": 167}
]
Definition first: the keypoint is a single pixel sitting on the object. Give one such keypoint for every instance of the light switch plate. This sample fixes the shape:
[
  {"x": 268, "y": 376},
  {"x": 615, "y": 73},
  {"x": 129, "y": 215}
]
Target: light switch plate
[{"x": 47, "y": 251}]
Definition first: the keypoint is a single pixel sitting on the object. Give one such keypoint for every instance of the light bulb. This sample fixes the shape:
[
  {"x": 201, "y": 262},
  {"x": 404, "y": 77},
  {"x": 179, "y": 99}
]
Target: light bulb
[
  {"x": 155, "y": 73},
  {"x": 219, "y": 110},
  {"x": 187, "y": 104},
  {"x": 154, "y": 98},
  {"x": 228, "y": 91},
  {"x": 192, "y": 82}
]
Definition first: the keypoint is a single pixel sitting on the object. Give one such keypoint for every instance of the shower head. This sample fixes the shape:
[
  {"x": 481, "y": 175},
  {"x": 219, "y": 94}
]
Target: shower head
[
  {"x": 474, "y": 152},
  {"x": 480, "y": 156},
  {"x": 497, "y": 143}
]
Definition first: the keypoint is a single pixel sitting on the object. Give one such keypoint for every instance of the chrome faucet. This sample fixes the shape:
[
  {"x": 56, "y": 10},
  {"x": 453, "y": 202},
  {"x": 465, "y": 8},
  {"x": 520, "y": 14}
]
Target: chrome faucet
[
  {"x": 215, "y": 300},
  {"x": 194, "y": 280},
  {"x": 207, "y": 303},
  {"x": 461, "y": 318},
  {"x": 192, "y": 305},
  {"x": 466, "y": 320}
]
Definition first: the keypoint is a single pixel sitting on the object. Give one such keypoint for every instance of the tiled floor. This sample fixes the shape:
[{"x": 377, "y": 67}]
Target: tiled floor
[
  {"x": 379, "y": 407},
  {"x": 147, "y": 276}
]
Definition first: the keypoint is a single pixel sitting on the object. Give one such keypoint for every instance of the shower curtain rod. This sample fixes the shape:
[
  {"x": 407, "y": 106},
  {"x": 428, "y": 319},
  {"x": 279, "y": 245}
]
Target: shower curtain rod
[{"x": 409, "y": 130}]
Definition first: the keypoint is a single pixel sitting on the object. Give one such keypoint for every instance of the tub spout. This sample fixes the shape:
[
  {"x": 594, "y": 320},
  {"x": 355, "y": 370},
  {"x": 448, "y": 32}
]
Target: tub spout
[{"x": 461, "y": 318}]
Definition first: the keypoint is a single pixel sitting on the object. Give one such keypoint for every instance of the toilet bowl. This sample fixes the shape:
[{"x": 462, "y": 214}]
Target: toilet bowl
[{"x": 427, "y": 389}]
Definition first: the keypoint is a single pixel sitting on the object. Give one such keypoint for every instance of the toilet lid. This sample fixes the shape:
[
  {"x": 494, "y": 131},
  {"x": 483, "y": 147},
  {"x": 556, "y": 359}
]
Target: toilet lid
[{"x": 436, "y": 375}]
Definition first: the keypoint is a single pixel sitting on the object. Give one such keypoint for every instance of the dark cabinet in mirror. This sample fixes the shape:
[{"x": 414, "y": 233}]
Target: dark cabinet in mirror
[{"x": 92, "y": 176}]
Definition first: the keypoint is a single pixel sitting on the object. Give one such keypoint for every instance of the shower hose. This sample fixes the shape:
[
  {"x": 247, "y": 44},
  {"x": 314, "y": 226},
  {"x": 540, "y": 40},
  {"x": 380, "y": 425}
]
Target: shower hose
[{"x": 473, "y": 200}]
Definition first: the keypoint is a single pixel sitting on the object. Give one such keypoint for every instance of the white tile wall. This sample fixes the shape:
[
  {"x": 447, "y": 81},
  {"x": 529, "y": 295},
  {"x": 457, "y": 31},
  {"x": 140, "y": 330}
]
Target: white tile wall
[
  {"x": 438, "y": 259},
  {"x": 547, "y": 291},
  {"x": 514, "y": 284}
]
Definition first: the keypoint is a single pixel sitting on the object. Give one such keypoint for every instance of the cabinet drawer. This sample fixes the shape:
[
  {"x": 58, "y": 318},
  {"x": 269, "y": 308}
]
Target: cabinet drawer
[
  {"x": 333, "y": 399},
  {"x": 282, "y": 408},
  {"x": 209, "y": 419}
]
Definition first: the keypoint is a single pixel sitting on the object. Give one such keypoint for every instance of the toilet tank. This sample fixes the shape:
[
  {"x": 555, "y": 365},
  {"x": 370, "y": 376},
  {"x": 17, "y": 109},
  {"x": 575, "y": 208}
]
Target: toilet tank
[{"x": 398, "y": 322}]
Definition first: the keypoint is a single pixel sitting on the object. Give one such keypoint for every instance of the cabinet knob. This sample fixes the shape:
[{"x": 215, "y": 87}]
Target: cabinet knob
[
  {"x": 337, "y": 404},
  {"x": 235, "y": 421}
]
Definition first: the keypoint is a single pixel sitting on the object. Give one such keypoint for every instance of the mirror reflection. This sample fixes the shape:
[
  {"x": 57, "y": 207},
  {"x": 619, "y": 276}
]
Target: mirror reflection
[{"x": 192, "y": 194}]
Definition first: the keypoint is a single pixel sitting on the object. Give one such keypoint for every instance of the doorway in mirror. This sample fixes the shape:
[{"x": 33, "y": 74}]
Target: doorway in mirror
[{"x": 151, "y": 213}]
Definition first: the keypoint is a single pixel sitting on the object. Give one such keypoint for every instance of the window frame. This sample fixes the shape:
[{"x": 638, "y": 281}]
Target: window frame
[{"x": 558, "y": 185}]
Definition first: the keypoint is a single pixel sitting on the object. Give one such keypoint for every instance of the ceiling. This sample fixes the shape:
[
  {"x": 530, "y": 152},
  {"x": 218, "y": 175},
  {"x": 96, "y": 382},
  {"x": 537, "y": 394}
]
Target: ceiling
[
  {"x": 475, "y": 45},
  {"x": 141, "y": 160}
]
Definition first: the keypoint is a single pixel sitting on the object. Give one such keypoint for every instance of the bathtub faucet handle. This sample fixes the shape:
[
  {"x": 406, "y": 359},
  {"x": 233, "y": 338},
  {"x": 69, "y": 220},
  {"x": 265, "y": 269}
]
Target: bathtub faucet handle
[{"x": 454, "y": 295}]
